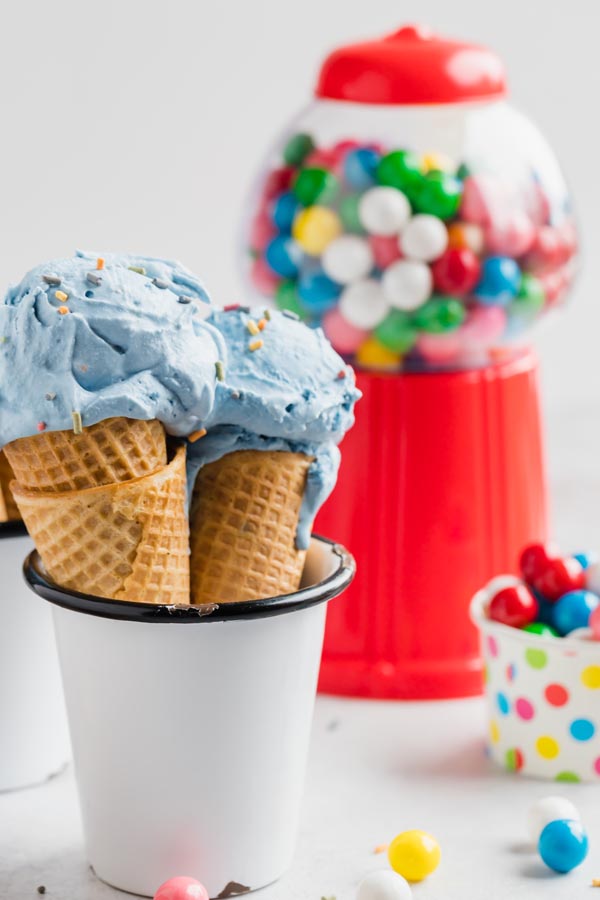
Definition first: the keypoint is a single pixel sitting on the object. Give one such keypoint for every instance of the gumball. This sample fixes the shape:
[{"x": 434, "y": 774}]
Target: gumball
[
  {"x": 399, "y": 169},
  {"x": 573, "y": 610},
  {"x": 350, "y": 215},
  {"x": 360, "y": 167},
  {"x": 537, "y": 205},
  {"x": 466, "y": 235},
  {"x": 315, "y": 185},
  {"x": 541, "y": 629},
  {"x": 414, "y": 855},
  {"x": 407, "y": 284},
  {"x": 262, "y": 232},
  {"x": 440, "y": 314},
  {"x": 559, "y": 577},
  {"x": 530, "y": 296},
  {"x": 513, "y": 235},
  {"x": 384, "y": 885},
  {"x": 424, "y": 238},
  {"x": 284, "y": 211},
  {"x": 346, "y": 338},
  {"x": 384, "y": 210},
  {"x": 547, "y": 810},
  {"x": 533, "y": 560},
  {"x": 181, "y": 888},
  {"x": 546, "y": 252},
  {"x": 320, "y": 158},
  {"x": 396, "y": 332},
  {"x": 347, "y": 258},
  {"x": 481, "y": 199},
  {"x": 314, "y": 228},
  {"x": 499, "y": 282},
  {"x": 439, "y": 349},
  {"x": 438, "y": 194},
  {"x": 317, "y": 292},
  {"x": 456, "y": 271},
  {"x": 586, "y": 560},
  {"x": 363, "y": 304},
  {"x": 436, "y": 162},
  {"x": 373, "y": 355},
  {"x": 515, "y": 606},
  {"x": 263, "y": 277},
  {"x": 283, "y": 256},
  {"x": 287, "y": 297},
  {"x": 592, "y": 577},
  {"x": 385, "y": 250},
  {"x": 484, "y": 325},
  {"x": 563, "y": 845},
  {"x": 297, "y": 149},
  {"x": 594, "y": 623},
  {"x": 278, "y": 181}
]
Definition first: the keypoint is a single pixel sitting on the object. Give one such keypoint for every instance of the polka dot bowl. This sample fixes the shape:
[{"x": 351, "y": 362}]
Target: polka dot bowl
[{"x": 543, "y": 698}]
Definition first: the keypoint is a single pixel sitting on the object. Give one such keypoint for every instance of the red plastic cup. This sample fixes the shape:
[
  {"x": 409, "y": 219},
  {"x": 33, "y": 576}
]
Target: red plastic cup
[{"x": 442, "y": 484}]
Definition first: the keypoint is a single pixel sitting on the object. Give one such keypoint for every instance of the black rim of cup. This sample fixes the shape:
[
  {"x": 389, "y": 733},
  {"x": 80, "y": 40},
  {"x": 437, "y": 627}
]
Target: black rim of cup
[
  {"x": 15, "y": 528},
  {"x": 311, "y": 595}
]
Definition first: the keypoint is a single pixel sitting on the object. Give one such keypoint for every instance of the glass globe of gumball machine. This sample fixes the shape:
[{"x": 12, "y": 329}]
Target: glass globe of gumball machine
[{"x": 425, "y": 225}]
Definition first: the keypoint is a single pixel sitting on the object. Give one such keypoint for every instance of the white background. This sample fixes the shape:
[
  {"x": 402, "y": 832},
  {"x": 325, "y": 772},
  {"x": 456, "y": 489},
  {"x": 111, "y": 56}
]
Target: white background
[{"x": 137, "y": 126}]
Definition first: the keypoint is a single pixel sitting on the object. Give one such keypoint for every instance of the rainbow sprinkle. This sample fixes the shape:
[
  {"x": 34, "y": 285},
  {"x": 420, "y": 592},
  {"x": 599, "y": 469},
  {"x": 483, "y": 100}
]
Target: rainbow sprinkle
[
  {"x": 77, "y": 423},
  {"x": 52, "y": 280},
  {"x": 220, "y": 370},
  {"x": 50, "y": 396},
  {"x": 41, "y": 426},
  {"x": 267, "y": 315},
  {"x": 99, "y": 263},
  {"x": 196, "y": 435},
  {"x": 230, "y": 307},
  {"x": 63, "y": 310},
  {"x": 262, "y": 324},
  {"x": 139, "y": 269},
  {"x": 60, "y": 295},
  {"x": 183, "y": 298},
  {"x": 252, "y": 326},
  {"x": 94, "y": 279},
  {"x": 255, "y": 345},
  {"x": 159, "y": 283}
]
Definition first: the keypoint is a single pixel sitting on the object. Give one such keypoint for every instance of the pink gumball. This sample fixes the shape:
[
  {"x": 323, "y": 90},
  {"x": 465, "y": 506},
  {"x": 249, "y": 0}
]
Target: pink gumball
[
  {"x": 320, "y": 159},
  {"x": 483, "y": 327},
  {"x": 555, "y": 284},
  {"x": 439, "y": 349},
  {"x": 595, "y": 623},
  {"x": 482, "y": 199},
  {"x": 511, "y": 236},
  {"x": 278, "y": 181},
  {"x": 547, "y": 251},
  {"x": 537, "y": 205},
  {"x": 262, "y": 231},
  {"x": 346, "y": 338},
  {"x": 263, "y": 278},
  {"x": 386, "y": 250},
  {"x": 339, "y": 150},
  {"x": 181, "y": 888}
]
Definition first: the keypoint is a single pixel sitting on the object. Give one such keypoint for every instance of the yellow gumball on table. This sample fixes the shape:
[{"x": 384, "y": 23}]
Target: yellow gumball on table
[
  {"x": 316, "y": 227},
  {"x": 414, "y": 855}
]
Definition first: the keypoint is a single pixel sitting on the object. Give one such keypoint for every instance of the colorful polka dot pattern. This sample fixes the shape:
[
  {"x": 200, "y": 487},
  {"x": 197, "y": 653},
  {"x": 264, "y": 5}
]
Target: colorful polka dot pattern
[{"x": 544, "y": 710}]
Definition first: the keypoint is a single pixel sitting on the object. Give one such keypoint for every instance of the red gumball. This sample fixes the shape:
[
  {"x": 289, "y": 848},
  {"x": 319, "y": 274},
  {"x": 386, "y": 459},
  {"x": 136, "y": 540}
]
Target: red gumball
[
  {"x": 558, "y": 577},
  {"x": 534, "y": 559},
  {"x": 515, "y": 606},
  {"x": 595, "y": 623},
  {"x": 456, "y": 271},
  {"x": 181, "y": 888}
]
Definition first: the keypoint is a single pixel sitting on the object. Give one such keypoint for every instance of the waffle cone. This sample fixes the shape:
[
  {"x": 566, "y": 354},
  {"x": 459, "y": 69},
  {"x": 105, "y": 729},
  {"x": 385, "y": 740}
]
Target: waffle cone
[
  {"x": 243, "y": 524},
  {"x": 114, "y": 450},
  {"x": 9, "y": 511},
  {"x": 124, "y": 541}
]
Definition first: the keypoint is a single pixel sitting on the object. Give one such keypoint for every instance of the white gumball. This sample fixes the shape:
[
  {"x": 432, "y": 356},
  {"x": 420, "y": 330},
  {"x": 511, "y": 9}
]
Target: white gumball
[
  {"x": 384, "y": 885},
  {"x": 407, "y": 284},
  {"x": 384, "y": 211},
  {"x": 425, "y": 238},
  {"x": 348, "y": 258},
  {"x": 592, "y": 578},
  {"x": 363, "y": 304},
  {"x": 547, "y": 810}
]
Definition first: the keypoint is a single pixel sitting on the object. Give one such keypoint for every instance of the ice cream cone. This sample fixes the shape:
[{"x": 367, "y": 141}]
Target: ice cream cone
[
  {"x": 124, "y": 541},
  {"x": 9, "y": 511},
  {"x": 243, "y": 523},
  {"x": 114, "y": 450}
]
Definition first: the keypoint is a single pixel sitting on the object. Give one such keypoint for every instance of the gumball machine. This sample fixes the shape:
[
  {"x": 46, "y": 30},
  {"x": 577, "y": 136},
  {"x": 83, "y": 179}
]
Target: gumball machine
[{"x": 425, "y": 225}]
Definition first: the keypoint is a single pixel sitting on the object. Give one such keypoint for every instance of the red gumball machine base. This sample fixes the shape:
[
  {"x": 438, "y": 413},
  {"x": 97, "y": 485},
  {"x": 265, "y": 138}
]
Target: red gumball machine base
[{"x": 442, "y": 484}]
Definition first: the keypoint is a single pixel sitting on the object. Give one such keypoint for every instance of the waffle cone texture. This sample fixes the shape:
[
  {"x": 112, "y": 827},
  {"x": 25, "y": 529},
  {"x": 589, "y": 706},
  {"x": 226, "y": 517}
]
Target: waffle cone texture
[
  {"x": 114, "y": 450},
  {"x": 243, "y": 522},
  {"x": 127, "y": 540},
  {"x": 9, "y": 511}
]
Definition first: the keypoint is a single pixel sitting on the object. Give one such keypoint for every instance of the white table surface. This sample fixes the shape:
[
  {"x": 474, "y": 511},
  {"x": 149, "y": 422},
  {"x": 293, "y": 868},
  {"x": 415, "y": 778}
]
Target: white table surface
[{"x": 375, "y": 769}]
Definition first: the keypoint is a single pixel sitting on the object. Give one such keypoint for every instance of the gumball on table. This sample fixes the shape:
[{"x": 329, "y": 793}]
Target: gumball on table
[
  {"x": 549, "y": 809},
  {"x": 426, "y": 256},
  {"x": 563, "y": 845},
  {"x": 181, "y": 888},
  {"x": 414, "y": 854}
]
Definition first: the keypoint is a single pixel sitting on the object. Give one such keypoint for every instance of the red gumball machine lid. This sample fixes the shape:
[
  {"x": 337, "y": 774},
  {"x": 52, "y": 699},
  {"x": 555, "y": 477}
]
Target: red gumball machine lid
[{"x": 411, "y": 67}]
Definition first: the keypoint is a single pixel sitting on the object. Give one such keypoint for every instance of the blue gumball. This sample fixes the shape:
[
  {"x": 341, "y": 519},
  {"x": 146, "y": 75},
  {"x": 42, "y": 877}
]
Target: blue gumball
[
  {"x": 499, "y": 281},
  {"x": 586, "y": 560},
  {"x": 359, "y": 168},
  {"x": 284, "y": 212},
  {"x": 573, "y": 610},
  {"x": 318, "y": 293},
  {"x": 283, "y": 255},
  {"x": 563, "y": 845}
]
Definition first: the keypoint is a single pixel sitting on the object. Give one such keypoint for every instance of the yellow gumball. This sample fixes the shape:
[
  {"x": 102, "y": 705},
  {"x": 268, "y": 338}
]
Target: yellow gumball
[
  {"x": 414, "y": 855},
  {"x": 437, "y": 162},
  {"x": 316, "y": 227},
  {"x": 373, "y": 355}
]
